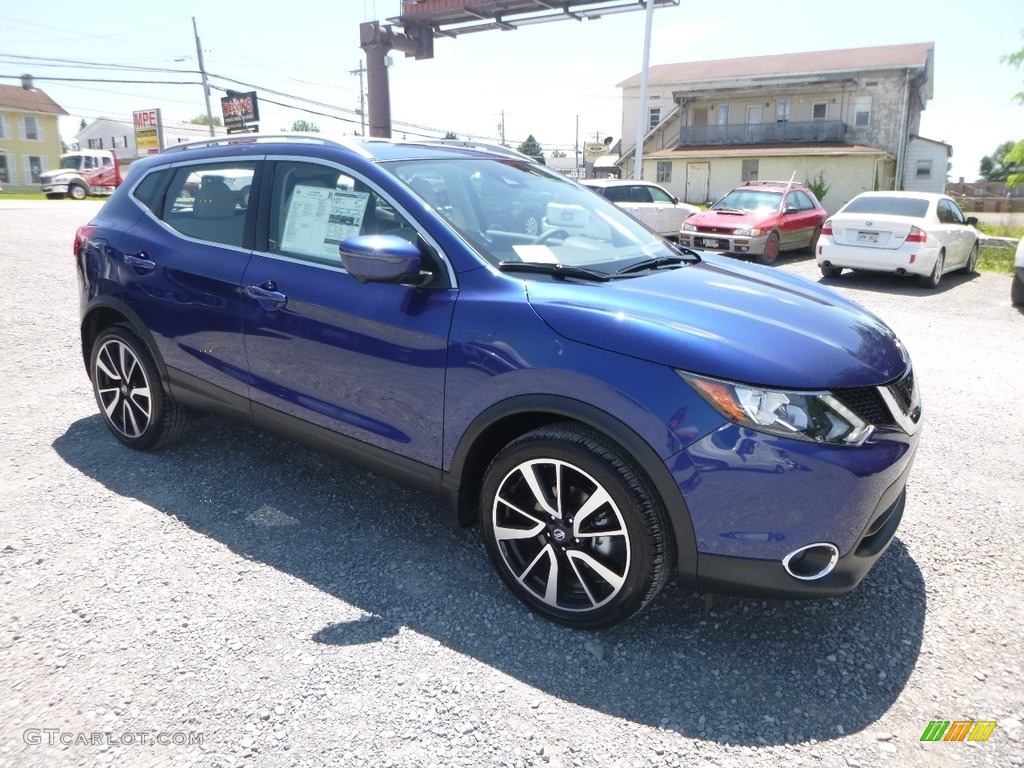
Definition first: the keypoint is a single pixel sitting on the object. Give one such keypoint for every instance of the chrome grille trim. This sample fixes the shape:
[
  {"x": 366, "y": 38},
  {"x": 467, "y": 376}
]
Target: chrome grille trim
[{"x": 903, "y": 398}]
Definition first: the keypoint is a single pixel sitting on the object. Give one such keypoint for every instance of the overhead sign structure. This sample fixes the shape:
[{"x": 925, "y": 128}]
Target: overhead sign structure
[
  {"x": 241, "y": 111},
  {"x": 149, "y": 131}
]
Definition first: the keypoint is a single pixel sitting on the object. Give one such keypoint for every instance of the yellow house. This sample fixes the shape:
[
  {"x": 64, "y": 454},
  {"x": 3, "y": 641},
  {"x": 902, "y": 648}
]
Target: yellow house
[{"x": 29, "y": 135}]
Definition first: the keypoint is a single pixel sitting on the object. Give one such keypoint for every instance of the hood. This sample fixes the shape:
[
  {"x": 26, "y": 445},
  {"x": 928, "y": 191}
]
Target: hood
[
  {"x": 730, "y": 320},
  {"x": 731, "y": 221},
  {"x": 50, "y": 175}
]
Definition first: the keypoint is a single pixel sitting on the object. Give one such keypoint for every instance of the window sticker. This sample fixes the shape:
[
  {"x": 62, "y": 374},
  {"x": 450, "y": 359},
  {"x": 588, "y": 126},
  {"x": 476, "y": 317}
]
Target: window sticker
[
  {"x": 319, "y": 219},
  {"x": 536, "y": 254}
]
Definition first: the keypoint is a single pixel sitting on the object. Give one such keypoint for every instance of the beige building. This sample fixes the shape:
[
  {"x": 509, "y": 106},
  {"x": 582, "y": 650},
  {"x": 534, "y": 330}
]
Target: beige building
[
  {"x": 849, "y": 116},
  {"x": 29, "y": 135}
]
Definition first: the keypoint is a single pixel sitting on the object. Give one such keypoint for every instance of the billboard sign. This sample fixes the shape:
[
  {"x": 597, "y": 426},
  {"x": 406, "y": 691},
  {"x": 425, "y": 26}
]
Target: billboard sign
[
  {"x": 240, "y": 111},
  {"x": 149, "y": 132}
]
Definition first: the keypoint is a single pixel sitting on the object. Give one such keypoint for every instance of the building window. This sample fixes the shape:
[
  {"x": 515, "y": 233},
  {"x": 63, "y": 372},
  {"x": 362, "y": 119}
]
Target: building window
[
  {"x": 5, "y": 170},
  {"x": 819, "y": 110},
  {"x": 653, "y": 117},
  {"x": 664, "y": 171},
  {"x": 3, "y": 127},
  {"x": 32, "y": 131},
  {"x": 33, "y": 168},
  {"x": 924, "y": 169},
  {"x": 749, "y": 172},
  {"x": 95, "y": 143},
  {"x": 722, "y": 117},
  {"x": 862, "y": 111},
  {"x": 118, "y": 142},
  {"x": 782, "y": 112}
]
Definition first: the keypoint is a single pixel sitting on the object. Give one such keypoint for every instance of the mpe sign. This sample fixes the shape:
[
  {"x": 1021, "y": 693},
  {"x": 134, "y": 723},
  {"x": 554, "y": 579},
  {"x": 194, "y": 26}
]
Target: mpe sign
[
  {"x": 240, "y": 111},
  {"x": 148, "y": 132}
]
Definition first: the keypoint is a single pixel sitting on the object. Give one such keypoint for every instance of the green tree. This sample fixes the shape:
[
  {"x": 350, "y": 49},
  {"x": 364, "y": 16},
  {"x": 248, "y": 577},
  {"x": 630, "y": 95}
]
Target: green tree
[
  {"x": 203, "y": 120},
  {"x": 994, "y": 167},
  {"x": 1015, "y": 59},
  {"x": 305, "y": 126},
  {"x": 451, "y": 135},
  {"x": 1014, "y": 161},
  {"x": 558, "y": 153},
  {"x": 81, "y": 125},
  {"x": 531, "y": 147}
]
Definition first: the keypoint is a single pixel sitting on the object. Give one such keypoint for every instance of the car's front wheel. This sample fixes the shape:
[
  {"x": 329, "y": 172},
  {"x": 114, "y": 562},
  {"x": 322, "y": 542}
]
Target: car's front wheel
[
  {"x": 771, "y": 249},
  {"x": 1017, "y": 291},
  {"x": 77, "y": 191},
  {"x": 128, "y": 391},
  {"x": 530, "y": 224},
  {"x": 574, "y": 528}
]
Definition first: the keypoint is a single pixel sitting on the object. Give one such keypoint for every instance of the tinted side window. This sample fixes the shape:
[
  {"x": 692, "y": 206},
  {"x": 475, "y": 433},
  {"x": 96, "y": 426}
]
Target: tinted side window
[
  {"x": 949, "y": 213},
  {"x": 617, "y": 194},
  {"x": 639, "y": 194},
  {"x": 658, "y": 195},
  {"x": 313, "y": 208},
  {"x": 209, "y": 201},
  {"x": 150, "y": 190}
]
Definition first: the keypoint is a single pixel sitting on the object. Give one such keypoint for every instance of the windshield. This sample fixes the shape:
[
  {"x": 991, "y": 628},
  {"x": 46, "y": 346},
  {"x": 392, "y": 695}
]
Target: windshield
[
  {"x": 518, "y": 211},
  {"x": 72, "y": 162},
  {"x": 913, "y": 207},
  {"x": 749, "y": 200}
]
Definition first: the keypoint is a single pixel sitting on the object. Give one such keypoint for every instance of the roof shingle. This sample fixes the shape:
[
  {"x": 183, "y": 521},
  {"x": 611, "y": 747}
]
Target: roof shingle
[{"x": 28, "y": 100}]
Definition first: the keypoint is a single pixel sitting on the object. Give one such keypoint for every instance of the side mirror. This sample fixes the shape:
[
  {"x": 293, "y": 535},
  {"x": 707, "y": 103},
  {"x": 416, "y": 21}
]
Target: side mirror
[
  {"x": 972, "y": 221},
  {"x": 790, "y": 211},
  {"x": 675, "y": 201},
  {"x": 383, "y": 259}
]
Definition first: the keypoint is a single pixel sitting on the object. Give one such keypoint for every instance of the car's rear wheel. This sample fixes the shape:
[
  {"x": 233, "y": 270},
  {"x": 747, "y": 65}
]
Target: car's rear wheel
[
  {"x": 131, "y": 398},
  {"x": 933, "y": 279},
  {"x": 830, "y": 271},
  {"x": 1017, "y": 291},
  {"x": 77, "y": 191},
  {"x": 972, "y": 261},
  {"x": 574, "y": 528},
  {"x": 771, "y": 249}
]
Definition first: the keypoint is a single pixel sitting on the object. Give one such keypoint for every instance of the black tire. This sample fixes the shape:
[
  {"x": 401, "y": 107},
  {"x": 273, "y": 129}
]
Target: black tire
[
  {"x": 972, "y": 261},
  {"x": 932, "y": 280},
  {"x": 535, "y": 489},
  {"x": 830, "y": 272},
  {"x": 129, "y": 393},
  {"x": 77, "y": 191},
  {"x": 1017, "y": 291},
  {"x": 771, "y": 249}
]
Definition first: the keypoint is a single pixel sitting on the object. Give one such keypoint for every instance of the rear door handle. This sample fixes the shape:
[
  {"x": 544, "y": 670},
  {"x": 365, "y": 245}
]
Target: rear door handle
[{"x": 140, "y": 260}]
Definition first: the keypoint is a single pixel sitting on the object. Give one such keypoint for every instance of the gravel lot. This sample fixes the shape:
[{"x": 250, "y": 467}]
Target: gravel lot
[{"x": 240, "y": 600}]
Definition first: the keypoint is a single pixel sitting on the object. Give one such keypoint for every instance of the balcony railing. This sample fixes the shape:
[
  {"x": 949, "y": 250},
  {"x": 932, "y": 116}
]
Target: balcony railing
[{"x": 809, "y": 131}]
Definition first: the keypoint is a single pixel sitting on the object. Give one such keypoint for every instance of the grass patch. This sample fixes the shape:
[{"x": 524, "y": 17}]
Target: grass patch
[
  {"x": 22, "y": 196},
  {"x": 997, "y": 256}
]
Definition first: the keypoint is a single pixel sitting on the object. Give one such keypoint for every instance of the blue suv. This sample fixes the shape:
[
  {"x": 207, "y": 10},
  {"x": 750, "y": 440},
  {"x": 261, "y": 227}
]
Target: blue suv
[{"x": 613, "y": 410}]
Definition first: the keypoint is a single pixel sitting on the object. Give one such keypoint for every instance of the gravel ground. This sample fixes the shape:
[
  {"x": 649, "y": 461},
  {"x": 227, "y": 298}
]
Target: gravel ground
[{"x": 240, "y": 600}]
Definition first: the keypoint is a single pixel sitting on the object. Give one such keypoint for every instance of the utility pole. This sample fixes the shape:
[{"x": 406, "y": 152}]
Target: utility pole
[
  {"x": 501, "y": 127},
  {"x": 202, "y": 71},
  {"x": 641, "y": 118},
  {"x": 362, "y": 97}
]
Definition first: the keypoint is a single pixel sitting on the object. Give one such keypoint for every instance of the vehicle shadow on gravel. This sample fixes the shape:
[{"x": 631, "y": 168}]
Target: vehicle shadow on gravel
[
  {"x": 740, "y": 672},
  {"x": 895, "y": 285}
]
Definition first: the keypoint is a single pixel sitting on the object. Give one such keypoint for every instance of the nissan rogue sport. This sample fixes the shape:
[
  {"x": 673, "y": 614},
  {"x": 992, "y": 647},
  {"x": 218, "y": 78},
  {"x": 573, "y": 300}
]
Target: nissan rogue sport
[{"x": 611, "y": 409}]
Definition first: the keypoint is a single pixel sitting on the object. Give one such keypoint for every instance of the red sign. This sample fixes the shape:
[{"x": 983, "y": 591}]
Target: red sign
[{"x": 146, "y": 118}]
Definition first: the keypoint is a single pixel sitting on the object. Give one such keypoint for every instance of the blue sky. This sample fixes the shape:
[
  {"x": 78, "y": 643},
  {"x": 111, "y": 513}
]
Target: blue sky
[{"x": 544, "y": 77}]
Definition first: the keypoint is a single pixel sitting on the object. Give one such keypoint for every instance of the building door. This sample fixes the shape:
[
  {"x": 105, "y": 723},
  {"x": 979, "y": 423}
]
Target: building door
[{"x": 698, "y": 176}]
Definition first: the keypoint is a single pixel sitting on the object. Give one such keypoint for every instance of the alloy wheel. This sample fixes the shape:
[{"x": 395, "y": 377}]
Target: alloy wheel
[{"x": 123, "y": 389}]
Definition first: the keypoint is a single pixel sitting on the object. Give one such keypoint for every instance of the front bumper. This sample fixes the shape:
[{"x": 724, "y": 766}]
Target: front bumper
[
  {"x": 55, "y": 188},
  {"x": 723, "y": 243},
  {"x": 753, "y": 499}
]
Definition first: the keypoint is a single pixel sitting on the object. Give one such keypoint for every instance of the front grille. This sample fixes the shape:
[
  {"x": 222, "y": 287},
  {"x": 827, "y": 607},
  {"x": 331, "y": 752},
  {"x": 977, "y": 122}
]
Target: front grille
[
  {"x": 903, "y": 391},
  {"x": 867, "y": 403}
]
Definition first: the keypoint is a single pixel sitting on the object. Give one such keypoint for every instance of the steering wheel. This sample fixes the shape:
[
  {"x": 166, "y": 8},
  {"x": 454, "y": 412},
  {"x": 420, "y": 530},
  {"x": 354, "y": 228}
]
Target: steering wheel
[{"x": 551, "y": 233}]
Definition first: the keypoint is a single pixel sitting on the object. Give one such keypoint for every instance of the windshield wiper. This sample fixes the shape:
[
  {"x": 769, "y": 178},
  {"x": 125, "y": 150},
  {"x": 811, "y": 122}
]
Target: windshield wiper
[
  {"x": 658, "y": 262},
  {"x": 557, "y": 270}
]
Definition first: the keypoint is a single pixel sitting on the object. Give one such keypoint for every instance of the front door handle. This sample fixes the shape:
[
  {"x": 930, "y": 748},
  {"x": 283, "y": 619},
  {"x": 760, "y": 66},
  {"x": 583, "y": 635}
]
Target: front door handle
[{"x": 267, "y": 295}]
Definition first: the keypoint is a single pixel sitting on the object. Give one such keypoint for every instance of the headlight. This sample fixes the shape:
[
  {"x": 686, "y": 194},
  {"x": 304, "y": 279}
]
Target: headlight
[
  {"x": 689, "y": 227},
  {"x": 749, "y": 232},
  {"x": 815, "y": 416}
]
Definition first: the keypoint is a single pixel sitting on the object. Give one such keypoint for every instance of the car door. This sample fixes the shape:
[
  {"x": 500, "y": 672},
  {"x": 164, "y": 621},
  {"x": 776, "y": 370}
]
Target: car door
[
  {"x": 668, "y": 217},
  {"x": 799, "y": 220},
  {"x": 957, "y": 235},
  {"x": 364, "y": 360},
  {"x": 181, "y": 265}
]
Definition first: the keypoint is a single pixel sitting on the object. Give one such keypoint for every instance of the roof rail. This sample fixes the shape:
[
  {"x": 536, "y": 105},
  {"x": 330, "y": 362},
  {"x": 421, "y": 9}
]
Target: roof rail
[
  {"x": 483, "y": 146},
  {"x": 760, "y": 183},
  {"x": 259, "y": 138}
]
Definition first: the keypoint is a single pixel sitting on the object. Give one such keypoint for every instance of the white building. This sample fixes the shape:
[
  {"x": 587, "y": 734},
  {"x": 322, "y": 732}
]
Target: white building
[{"x": 119, "y": 135}]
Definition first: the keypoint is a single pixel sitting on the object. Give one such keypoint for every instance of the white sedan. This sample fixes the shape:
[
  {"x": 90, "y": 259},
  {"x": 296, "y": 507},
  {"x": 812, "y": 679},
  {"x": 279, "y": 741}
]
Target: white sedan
[
  {"x": 1017, "y": 286},
  {"x": 908, "y": 233}
]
